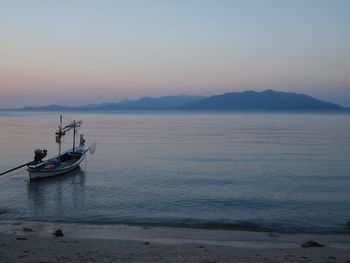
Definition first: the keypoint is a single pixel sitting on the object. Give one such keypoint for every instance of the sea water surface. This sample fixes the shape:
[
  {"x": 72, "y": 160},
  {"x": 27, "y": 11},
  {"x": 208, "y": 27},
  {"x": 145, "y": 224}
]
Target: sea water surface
[{"x": 253, "y": 171}]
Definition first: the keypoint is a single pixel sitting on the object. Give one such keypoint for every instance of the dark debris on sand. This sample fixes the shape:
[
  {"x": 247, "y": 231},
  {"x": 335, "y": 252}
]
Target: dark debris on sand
[
  {"x": 311, "y": 243},
  {"x": 58, "y": 233}
]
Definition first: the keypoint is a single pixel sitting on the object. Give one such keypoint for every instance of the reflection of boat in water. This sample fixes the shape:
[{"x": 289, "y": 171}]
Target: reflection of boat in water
[
  {"x": 54, "y": 197},
  {"x": 63, "y": 162}
]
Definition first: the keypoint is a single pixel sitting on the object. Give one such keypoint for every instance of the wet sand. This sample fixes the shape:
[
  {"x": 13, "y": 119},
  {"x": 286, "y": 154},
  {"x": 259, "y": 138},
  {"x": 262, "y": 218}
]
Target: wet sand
[{"x": 34, "y": 242}]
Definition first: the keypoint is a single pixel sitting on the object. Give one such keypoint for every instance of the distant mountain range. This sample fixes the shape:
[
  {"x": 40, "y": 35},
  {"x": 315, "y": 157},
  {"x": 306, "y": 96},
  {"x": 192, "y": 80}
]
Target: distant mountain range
[
  {"x": 238, "y": 101},
  {"x": 265, "y": 100}
]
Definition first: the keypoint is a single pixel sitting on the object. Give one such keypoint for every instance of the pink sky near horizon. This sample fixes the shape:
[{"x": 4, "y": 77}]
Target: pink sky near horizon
[{"x": 91, "y": 52}]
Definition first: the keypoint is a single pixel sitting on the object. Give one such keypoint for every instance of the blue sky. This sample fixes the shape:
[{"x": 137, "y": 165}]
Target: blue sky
[{"x": 75, "y": 52}]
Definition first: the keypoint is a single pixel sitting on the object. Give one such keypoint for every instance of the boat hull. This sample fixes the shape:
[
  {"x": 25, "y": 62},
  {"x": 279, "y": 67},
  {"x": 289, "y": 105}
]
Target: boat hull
[{"x": 36, "y": 172}]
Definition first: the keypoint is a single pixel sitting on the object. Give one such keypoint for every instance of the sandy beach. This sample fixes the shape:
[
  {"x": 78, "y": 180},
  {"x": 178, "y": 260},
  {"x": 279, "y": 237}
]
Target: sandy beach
[{"x": 34, "y": 242}]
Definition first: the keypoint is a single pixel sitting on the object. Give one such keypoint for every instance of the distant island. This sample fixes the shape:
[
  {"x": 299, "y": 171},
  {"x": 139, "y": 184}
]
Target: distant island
[{"x": 268, "y": 100}]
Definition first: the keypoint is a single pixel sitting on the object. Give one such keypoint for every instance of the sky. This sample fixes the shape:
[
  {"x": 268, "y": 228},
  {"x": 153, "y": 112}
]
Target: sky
[{"x": 74, "y": 52}]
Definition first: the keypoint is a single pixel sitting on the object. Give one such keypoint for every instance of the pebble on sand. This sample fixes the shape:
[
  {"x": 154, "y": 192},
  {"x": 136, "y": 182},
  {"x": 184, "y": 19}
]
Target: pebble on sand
[
  {"x": 311, "y": 243},
  {"x": 58, "y": 233}
]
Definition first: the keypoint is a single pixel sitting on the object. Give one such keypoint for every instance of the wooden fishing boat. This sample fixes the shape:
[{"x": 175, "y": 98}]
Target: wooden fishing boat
[{"x": 65, "y": 161}]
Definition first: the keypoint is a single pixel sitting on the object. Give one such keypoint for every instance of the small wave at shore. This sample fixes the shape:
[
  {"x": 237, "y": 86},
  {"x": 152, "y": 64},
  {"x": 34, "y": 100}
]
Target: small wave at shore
[
  {"x": 256, "y": 226},
  {"x": 239, "y": 225}
]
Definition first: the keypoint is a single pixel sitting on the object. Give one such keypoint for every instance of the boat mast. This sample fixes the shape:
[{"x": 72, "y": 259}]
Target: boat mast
[
  {"x": 60, "y": 136},
  {"x": 74, "y": 132}
]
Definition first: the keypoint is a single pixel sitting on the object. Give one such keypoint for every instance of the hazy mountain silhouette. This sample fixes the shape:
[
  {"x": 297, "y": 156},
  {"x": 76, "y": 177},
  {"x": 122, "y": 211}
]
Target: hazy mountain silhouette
[
  {"x": 53, "y": 107},
  {"x": 247, "y": 100},
  {"x": 265, "y": 100},
  {"x": 104, "y": 105},
  {"x": 166, "y": 102},
  {"x": 145, "y": 103}
]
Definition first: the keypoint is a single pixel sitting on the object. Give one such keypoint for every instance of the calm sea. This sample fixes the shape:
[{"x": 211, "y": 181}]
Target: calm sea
[{"x": 252, "y": 171}]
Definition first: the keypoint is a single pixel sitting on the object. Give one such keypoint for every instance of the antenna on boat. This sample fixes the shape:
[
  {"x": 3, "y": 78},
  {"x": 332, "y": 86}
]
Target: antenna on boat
[
  {"x": 74, "y": 133},
  {"x": 58, "y": 138},
  {"x": 59, "y": 149}
]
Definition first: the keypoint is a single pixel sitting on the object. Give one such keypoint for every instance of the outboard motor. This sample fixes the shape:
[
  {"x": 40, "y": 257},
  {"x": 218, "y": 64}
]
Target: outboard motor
[{"x": 39, "y": 155}]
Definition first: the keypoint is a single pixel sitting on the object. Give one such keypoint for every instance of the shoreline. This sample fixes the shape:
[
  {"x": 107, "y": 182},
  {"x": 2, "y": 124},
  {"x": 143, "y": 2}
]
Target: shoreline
[
  {"x": 99, "y": 243},
  {"x": 172, "y": 235}
]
